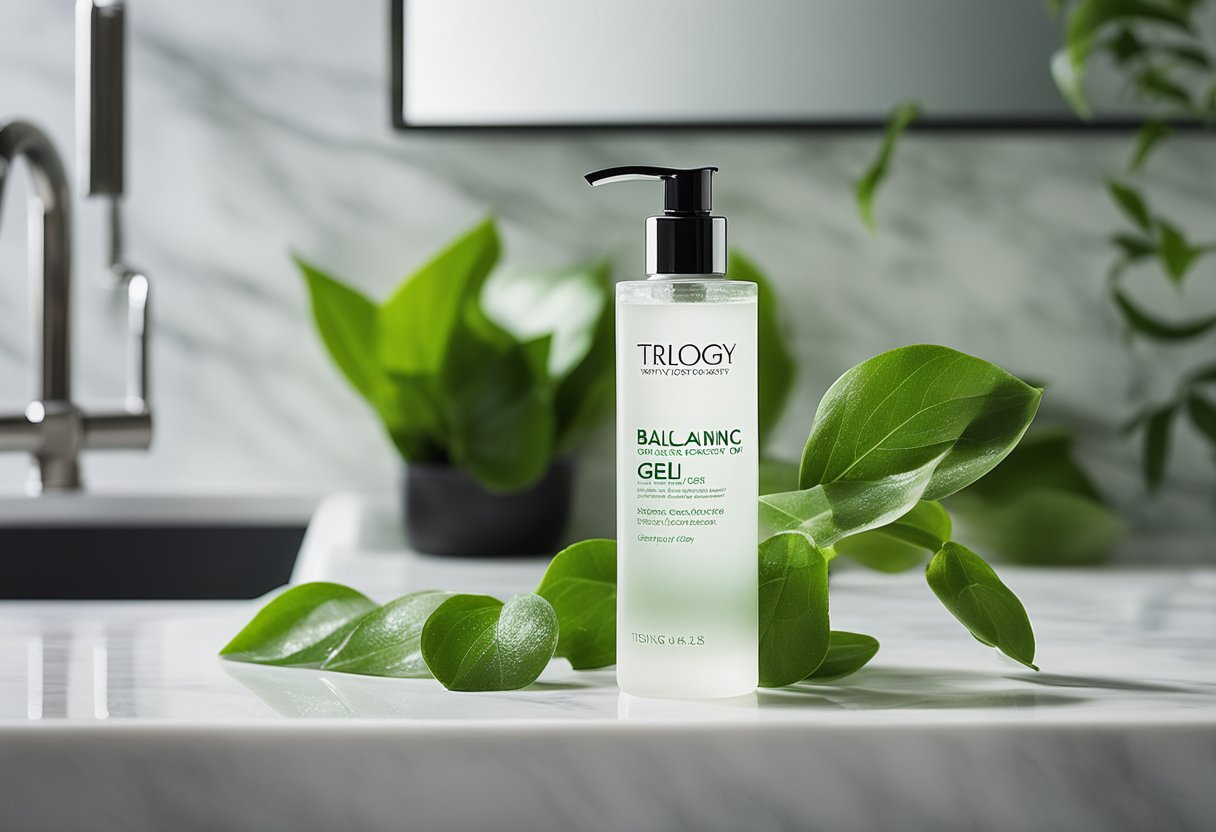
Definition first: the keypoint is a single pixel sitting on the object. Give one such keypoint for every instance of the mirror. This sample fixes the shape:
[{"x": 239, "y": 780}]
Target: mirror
[{"x": 728, "y": 63}]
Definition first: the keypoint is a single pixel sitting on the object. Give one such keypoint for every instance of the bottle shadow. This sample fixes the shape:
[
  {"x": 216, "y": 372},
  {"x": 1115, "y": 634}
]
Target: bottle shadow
[{"x": 922, "y": 689}]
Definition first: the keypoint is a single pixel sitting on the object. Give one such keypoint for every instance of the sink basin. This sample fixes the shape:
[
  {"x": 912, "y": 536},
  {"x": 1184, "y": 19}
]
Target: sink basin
[{"x": 84, "y": 547}]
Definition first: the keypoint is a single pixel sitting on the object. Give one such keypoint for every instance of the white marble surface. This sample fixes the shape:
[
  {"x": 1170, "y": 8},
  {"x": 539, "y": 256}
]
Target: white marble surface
[
  {"x": 262, "y": 127},
  {"x": 120, "y": 716}
]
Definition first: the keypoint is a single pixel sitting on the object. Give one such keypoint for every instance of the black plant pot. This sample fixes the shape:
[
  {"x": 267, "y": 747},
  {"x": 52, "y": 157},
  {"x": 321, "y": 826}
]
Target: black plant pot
[{"x": 448, "y": 512}]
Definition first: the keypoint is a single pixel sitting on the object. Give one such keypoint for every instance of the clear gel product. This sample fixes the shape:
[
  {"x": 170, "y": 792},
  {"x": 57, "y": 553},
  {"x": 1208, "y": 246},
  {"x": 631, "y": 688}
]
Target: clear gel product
[{"x": 687, "y": 464}]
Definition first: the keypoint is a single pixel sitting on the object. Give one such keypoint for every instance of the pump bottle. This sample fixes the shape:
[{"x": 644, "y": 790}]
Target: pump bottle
[{"x": 687, "y": 458}]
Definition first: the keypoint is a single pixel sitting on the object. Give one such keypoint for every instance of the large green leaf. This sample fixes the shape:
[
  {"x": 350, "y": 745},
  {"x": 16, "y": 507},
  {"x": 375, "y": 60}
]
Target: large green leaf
[
  {"x": 794, "y": 626},
  {"x": 419, "y": 322},
  {"x": 475, "y": 642},
  {"x": 775, "y": 359},
  {"x": 565, "y": 303},
  {"x": 847, "y": 654},
  {"x": 348, "y": 323},
  {"x": 386, "y": 641},
  {"x": 902, "y": 544},
  {"x": 301, "y": 626},
  {"x": 865, "y": 187},
  {"x": 972, "y": 592},
  {"x": 834, "y": 511},
  {"x": 497, "y": 407},
  {"x": 913, "y": 407},
  {"x": 580, "y": 584}
]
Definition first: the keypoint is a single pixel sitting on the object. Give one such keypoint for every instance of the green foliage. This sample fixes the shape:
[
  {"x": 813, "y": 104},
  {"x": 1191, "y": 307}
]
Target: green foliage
[
  {"x": 793, "y": 609},
  {"x": 914, "y": 407},
  {"x": 580, "y": 583},
  {"x": 847, "y": 654},
  {"x": 897, "y": 122},
  {"x": 386, "y": 641},
  {"x": 902, "y": 544},
  {"x": 1164, "y": 56},
  {"x": 498, "y": 395},
  {"x": 475, "y": 642},
  {"x": 972, "y": 592},
  {"x": 301, "y": 626}
]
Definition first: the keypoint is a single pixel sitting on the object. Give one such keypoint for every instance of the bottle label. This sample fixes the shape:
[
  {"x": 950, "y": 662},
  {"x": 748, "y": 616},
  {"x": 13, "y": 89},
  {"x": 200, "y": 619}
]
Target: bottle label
[{"x": 687, "y": 481}]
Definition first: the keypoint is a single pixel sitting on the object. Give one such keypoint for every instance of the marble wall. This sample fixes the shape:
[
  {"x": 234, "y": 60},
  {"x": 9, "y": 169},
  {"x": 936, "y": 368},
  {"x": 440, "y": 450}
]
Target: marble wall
[{"x": 259, "y": 128}]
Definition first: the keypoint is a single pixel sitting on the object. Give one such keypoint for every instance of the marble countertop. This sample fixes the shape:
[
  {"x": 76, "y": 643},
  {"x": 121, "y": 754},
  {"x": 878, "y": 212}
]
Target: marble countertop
[{"x": 120, "y": 716}]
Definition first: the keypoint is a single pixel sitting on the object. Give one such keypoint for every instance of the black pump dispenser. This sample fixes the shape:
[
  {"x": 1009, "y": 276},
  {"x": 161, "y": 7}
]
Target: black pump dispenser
[{"x": 685, "y": 239}]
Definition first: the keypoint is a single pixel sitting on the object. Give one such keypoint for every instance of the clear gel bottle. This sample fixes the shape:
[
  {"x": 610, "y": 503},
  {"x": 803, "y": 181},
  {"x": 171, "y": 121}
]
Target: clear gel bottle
[{"x": 687, "y": 460}]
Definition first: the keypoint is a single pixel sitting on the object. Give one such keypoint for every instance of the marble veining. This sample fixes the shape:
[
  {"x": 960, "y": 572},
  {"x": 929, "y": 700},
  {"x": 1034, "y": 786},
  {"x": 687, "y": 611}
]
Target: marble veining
[{"x": 262, "y": 128}]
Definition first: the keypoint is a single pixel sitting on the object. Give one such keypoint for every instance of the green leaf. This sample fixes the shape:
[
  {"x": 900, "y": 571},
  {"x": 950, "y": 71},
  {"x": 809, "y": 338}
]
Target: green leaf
[
  {"x": 1157, "y": 445},
  {"x": 300, "y": 626},
  {"x": 1148, "y": 137},
  {"x": 1039, "y": 526},
  {"x": 777, "y": 475},
  {"x": 1133, "y": 247},
  {"x": 865, "y": 187},
  {"x": 828, "y": 513},
  {"x": 794, "y": 627},
  {"x": 475, "y": 642},
  {"x": 1156, "y": 328},
  {"x": 1132, "y": 203},
  {"x": 1203, "y": 414},
  {"x": 346, "y": 321},
  {"x": 498, "y": 407},
  {"x": 1086, "y": 21},
  {"x": 972, "y": 592},
  {"x": 914, "y": 407},
  {"x": 419, "y": 322},
  {"x": 1089, "y": 17},
  {"x": 1177, "y": 254},
  {"x": 348, "y": 324},
  {"x": 847, "y": 654},
  {"x": 774, "y": 358},
  {"x": 386, "y": 641},
  {"x": 565, "y": 303},
  {"x": 580, "y": 584},
  {"x": 1124, "y": 46},
  {"x": 1155, "y": 84},
  {"x": 903, "y": 544},
  {"x": 1069, "y": 80},
  {"x": 1184, "y": 53}
]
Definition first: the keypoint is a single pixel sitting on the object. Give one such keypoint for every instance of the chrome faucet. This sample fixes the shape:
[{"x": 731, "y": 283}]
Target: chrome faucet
[{"x": 53, "y": 429}]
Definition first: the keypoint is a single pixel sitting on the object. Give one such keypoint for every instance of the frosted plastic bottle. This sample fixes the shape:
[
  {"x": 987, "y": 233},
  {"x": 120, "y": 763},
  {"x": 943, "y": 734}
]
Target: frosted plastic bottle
[{"x": 687, "y": 464}]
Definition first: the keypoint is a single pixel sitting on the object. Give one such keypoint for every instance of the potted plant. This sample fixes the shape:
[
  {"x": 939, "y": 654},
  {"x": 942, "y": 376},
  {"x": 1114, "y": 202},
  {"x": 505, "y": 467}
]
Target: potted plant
[{"x": 483, "y": 383}]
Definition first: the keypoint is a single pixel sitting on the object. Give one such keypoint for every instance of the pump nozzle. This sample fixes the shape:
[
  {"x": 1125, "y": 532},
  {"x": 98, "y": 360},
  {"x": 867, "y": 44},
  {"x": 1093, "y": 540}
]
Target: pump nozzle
[
  {"x": 685, "y": 190},
  {"x": 685, "y": 239}
]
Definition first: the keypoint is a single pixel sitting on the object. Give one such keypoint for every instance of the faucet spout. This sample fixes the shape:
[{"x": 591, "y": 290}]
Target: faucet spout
[
  {"x": 52, "y": 426},
  {"x": 50, "y": 215}
]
